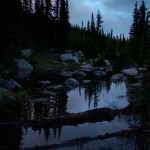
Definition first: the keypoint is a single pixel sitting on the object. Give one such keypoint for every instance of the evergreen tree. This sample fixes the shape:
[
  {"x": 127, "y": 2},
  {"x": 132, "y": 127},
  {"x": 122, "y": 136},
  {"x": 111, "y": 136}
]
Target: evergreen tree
[
  {"x": 99, "y": 22},
  {"x": 134, "y": 26},
  {"x": 10, "y": 26},
  {"x": 92, "y": 24},
  {"x": 88, "y": 26},
  {"x": 64, "y": 22},
  {"x": 139, "y": 32}
]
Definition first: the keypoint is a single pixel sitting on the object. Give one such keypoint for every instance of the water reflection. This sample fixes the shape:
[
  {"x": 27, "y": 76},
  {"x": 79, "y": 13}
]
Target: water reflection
[
  {"x": 106, "y": 144},
  {"x": 46, "y": 136},
  {"x": 98, "y": 95},
  {"x": 45, "y": 107}
]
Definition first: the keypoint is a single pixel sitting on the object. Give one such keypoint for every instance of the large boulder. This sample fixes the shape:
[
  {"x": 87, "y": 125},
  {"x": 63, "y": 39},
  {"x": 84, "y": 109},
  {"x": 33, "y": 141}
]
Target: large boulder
[
  {"x": 130, "y": 72},
  {"x": 24, "y": 69},
  {"x": 118, "y": 77},
  {"x": 71, "y": 83},
  {"x": 99, "y": 74}
]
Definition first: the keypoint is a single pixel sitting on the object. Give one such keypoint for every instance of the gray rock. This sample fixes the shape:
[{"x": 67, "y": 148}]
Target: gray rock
[
  {"x": 118, "y": 77},
  {"x": 138, "y": 77},
  {"x": 108, "y": 69},
  {"x": 43, "y": 99},
  {"x": 107, "y": 63},
  {"x": 99, "y": 74},
  {"x": 57, "y": 88},
  {"x": 63, "y": 63},
  {"x": 130, "y": 72},
  {"x": 87, "y": 68},
  {"x": 136, "y": 85},
  {"x": 79, "y": 74},
  {"x": 24, "y": 69},
  {"x": 79, "y": 54},
  {"x": 86, "y": 81},
  {"x": 76, "y": 60},
  {"x": 71, "y": 83},
  {"x": 142, "y": 69},
  {"x": 67, "y": 57},
  {"x": 26, "y": 52},
  {"x": 48, "y": 93},
  {"x": 11, "y": 84},
  {"x": 3, "y": 91},
  {"x": 66, "y": 73}
]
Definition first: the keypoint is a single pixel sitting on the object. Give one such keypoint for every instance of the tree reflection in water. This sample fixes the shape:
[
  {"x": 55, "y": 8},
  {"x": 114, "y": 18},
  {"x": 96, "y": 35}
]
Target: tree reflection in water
[{"x": 97, "y": 94}]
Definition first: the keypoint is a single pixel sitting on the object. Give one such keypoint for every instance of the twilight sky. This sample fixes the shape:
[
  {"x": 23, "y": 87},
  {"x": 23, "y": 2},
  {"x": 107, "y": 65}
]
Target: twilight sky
[{"x": 116, "y": 14}]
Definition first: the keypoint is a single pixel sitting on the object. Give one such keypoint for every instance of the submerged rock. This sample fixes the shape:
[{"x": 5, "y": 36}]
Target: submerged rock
[
  {"x": 130, "y": 72},
  {"x": 71, "y": 83}
]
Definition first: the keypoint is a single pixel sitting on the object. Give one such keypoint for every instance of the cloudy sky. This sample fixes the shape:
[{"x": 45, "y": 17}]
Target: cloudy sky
[{"x": 116, "y": 14}]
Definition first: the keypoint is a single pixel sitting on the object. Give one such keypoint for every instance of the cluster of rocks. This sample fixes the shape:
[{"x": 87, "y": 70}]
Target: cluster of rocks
[
  {"x": 72, "y": 77},
  {"x": 135, "y": 73}
]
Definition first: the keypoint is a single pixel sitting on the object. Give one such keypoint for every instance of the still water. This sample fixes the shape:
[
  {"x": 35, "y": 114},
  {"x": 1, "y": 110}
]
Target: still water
[
  {"x": 97, "y": 95},
  {"x": 88, "y": 96},
  {"x": 46, "y": 136}
]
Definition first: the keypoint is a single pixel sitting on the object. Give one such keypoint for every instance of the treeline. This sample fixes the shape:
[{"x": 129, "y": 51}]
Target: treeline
[
  {"x": 122, "y": 50},
  {"x": 42, "y": 24},
  {"x": 37, "y": 24}
]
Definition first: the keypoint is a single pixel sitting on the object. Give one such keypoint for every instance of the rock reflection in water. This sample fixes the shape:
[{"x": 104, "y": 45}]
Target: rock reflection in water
[
  {"x": 46, "y": 136},
  {"x": 45, "y": 107},
  {"x": 98, "y": 95}
]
